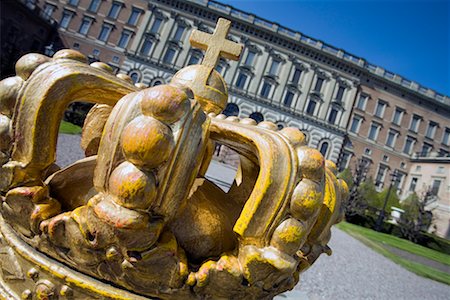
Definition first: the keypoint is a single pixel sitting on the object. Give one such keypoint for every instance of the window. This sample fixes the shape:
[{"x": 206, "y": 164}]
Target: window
[
  {"x": 385, "y": 158},
  {"x": 73, "y": 2},
  {"x": 362, "y": 101},
  {"x": 373, "y": 131},
  {"x": 95, "y": 4},
  {"x": 134, "y": 16},
  {"x": 156, "y": 25},
  {"x": 297, "y": 75},
  {"x": 311, "y": 108},
  {"x": 179, "y": 33},
  {"x": 403, "y": 165},
  {"x": 169, "y": 56},
  {"x": 193, "y": 60},
  {"x": 381, "y": 175},
  {"x": 241, "y": 80},
  {"x": 219, "y": 68},
  {"x": 48, "y": 11},
  {"x": 134, "y": 76},
  {"x": 340, "y": 93},
  {"x": 440, "y": 170},
  {"x": 379, "y": 110},
  {"x": 115, "y": 9},
  {"x": 324, "y": 149},
  {"x": 76, "y": 46},
  {"x": 356, "y": 123},
  {"x": 104, "y": 32},
  {"x": 446, "y": 137},
  {"x": 274, "y": 67},
  {"x": 147, "y": 46},
  {"x": 258, "y": 117},
  {"x": 418, "y": 168},
  {"x": 250, "y": 58},
  {"x": 415, "y": 121},
  {"x": 319, "y": 83},
  {"x": 115, "y": 59},
  {"x": 333, "y": 115},
  {"x": 431, "y": 130},
  {"x": 398, "y": 115},
  {"x": 368, "y": 151},
  {"x": 345, "y": 160},
  {"x": 426, "y": 149},
  {"x": 96, "y": 52},
  {"x": 231, "y": 110},
  {"x": 409, "y": 143},
  {"x": 265, "y": 90},
  {"x": 65, "y": 19},
  {"x": 288, "y": 99},
  {"x": 85, "y": 25},
  {"x": 435, "y": 187},
  {"x": 124, "y": 39},
  {"x": 391, "y": 139},
  {"x": 413, "y": 184}
]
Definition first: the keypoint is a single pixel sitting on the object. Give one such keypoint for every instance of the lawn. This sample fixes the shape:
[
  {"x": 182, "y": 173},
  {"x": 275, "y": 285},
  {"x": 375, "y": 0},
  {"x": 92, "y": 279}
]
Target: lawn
[
  {"x": 69, "y": 128},
  {"x": 376, "y": 240}
]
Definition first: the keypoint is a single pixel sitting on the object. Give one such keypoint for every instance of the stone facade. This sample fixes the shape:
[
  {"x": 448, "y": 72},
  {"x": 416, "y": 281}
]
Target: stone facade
[
  {"x": 283, "y": 76},
  {"x": 429, "y": 178}
]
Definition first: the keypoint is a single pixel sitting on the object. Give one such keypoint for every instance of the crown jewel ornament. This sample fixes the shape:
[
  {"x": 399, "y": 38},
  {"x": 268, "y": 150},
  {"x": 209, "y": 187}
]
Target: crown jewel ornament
[{"x": 136, "y": 218}]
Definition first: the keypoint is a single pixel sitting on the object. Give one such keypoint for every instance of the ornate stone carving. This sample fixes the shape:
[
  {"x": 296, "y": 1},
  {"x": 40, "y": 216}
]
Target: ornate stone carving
[{"x": 137, "y": 214}]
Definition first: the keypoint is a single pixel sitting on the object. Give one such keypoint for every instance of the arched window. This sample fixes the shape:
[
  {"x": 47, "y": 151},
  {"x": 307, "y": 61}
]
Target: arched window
[
  {"x": 280, "y": 125},
  {"x": 324, "y": 149},
  {"x": 258, "y": 117},
  {"x": 134, "y": 76},
  {"x": 231, "y": 110}
]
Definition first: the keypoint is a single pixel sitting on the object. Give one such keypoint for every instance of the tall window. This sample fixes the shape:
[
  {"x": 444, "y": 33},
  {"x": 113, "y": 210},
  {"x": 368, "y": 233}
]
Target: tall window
[
  {"x": 250, "y": 58},
  {"x": 362, "y": 101},
  {"x": 435, "y": 187},
  {"x": 297, "y": 75},
  {"x": 274, "y": 67},
  {"x": 340, "y": 93},
  {"x": 104, "y": 32},
  {"x": 65, "y": 19},
  {"x": 114, "y": 11},
  {"x": 333, "y": 115},
  {"x": 319, "y": 84},
  {"x": 169, "y": 56},
  {"x": 373, "y": 132},
  {"x": 426, "y": 149},
  {"x": 265, "y": 90},
  {"x": 193, "y": 60},
  {"x": 288, "y": 99},
  {"x": 156, "y": 25},
  {"x": 324, "y": 149},
  {"x": 48, "y": 11},
  {"x": 379, "y": 111},
  {"x": 85, "y": 25},
  {"x": 398, "y": 115},
  {"x": 446, "y": 137},
  {"x": 73, "y": 2},
  {"x": 124, "y": 39},
  {"x": 147, "y": 46},
  {"x": 431, "y": 130},
  {"x": 179, "y": 32},
  {"x": 311, "y": 108},
  {"x": 356, "y": 123},
  {"x": 391, "y": 138},
  {"x": 412, "y": 186},
  {"x": 409, "y": 143},
  {"x": 241, "y": 80},
  {"x": 134, "y": 16},
  {"x": 95, "y": 4},
  {"x": 415, "y": 121},
  {"x": 381, "y": 175}
]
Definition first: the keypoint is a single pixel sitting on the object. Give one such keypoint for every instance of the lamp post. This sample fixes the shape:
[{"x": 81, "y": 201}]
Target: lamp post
[{"x": 379, "y": 223}]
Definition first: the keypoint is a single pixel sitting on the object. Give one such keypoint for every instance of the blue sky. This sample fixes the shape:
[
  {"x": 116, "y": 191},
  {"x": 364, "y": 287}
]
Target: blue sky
[{"x": 410, "y": 38}]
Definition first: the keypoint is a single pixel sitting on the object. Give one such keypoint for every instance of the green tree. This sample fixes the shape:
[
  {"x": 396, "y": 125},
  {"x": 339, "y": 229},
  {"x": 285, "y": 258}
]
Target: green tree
[
  {"x": 393, "y": 199},
  {"x": 347, "y": 176},
  {"x": 368, "y": 191}
]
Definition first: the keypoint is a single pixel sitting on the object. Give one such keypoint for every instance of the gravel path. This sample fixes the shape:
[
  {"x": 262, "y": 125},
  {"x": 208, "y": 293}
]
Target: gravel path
[{"x": 354, "y": 271}]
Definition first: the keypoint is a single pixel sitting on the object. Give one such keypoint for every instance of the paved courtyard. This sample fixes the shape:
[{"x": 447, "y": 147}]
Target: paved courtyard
[{"x": 354, "y": 271}]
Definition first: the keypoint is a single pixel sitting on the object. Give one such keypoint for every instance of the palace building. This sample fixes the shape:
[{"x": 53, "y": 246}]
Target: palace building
[{"x": 349, "y": 108}]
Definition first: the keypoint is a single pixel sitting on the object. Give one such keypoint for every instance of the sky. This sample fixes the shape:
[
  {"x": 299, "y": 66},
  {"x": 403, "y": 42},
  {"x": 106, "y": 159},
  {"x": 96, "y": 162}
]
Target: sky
[{"x": 408, "y": 37}]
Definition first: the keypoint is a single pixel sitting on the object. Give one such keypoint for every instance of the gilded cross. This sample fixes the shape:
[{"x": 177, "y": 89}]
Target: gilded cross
[{"x": 216, "y": 44}]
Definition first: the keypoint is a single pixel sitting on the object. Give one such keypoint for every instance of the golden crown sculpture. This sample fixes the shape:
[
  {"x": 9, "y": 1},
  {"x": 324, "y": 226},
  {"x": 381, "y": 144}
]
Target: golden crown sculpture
[{"x": 136, "y": 218}]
